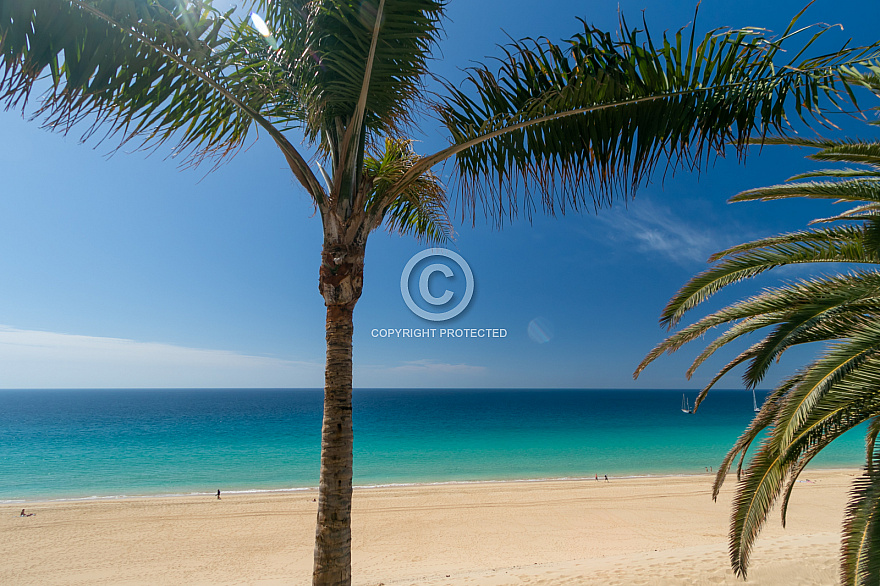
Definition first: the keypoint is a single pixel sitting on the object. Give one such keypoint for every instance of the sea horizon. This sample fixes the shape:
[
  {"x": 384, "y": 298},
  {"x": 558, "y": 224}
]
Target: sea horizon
[{"x": 86, "y": 444}]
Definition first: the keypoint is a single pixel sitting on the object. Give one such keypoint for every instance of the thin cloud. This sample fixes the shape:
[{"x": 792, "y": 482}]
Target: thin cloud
[
  {"x": 428, "y": 366},
  {"x": 425, "y": 373},
  {"x": 36, "y": 359},
  {"x": 655, "y": 228}
]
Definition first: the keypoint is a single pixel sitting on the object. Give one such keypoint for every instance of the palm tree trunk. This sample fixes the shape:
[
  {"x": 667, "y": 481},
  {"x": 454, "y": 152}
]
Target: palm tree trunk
[
  {"x": 333, "y": 532},
  {"x": 341, "y": 282}
]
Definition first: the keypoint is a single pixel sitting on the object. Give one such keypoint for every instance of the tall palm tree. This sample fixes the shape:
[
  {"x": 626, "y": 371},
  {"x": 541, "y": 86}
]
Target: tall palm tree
[
  {"x": 571, "y": 122},
  {"x": 838, "y": 390}
]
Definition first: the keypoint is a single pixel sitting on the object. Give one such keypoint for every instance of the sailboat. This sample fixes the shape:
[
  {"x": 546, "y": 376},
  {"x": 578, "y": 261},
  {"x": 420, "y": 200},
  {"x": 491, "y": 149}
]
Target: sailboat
[
  {"x": 685, "y": 408},
  {"x": 755, "y": 402}
]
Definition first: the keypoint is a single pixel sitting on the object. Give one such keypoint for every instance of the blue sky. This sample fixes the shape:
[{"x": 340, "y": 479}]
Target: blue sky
[{"x": 127, "y": 271}]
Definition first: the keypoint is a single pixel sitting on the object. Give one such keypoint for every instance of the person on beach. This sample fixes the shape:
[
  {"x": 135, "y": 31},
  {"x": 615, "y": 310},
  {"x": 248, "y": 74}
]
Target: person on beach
[
  {"x": 606, "y": 478},
  {"x": 218, "y": 494},
  {"x": 597, "y": 478},
  {"x": 26, "y": 515}
]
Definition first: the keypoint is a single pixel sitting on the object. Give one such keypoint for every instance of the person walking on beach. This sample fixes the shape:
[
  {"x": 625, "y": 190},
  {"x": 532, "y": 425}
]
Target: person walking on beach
[
  {"x": 218, "y": 494},
  {"x": 606, "y": 478},
  {"x": 597, "y": 478}
]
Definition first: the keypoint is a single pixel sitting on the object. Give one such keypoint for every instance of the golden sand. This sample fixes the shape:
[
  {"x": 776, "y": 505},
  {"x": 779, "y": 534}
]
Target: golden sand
[{"x": 627, "y": 531}]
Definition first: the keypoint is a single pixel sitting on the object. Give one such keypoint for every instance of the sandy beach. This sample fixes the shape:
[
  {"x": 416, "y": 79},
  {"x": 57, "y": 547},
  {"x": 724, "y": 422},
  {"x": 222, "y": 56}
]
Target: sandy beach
[{"x": 664, "y": 530}]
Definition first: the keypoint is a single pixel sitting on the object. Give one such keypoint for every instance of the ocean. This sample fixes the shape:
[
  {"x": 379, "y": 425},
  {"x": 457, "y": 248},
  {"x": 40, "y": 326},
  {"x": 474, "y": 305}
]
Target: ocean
[{"x": 82, "y": 444}]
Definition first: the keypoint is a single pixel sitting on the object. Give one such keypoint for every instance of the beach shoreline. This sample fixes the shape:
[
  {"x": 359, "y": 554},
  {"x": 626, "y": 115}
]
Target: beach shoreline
[
  {"x": 359, "y": 487},
  {"x": 649, "y": 529}
]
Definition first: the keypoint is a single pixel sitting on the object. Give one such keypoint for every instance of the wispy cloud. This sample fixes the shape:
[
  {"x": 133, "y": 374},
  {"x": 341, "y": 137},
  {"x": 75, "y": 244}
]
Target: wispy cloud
[
  {"x": 36, "y": 359},
  {"x": 428, "y": 366},
  {"x": 419, "y": 374},
  {"x": 656, "y": 228}
]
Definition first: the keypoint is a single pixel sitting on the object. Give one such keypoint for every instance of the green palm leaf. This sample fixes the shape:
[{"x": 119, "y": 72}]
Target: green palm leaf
[
  {"x": 762, "y": 420},
  {"x": 860, "y": 563},
  {"x": 781, "y": 457},
  {"x": 600, "y": 114},
  {"x": 832, "y": 394},
  {"x": 849, "y": 404},
  {"x": 99, "y": 71},
  {"x": 841, "y": 359},
  {"x": 153, "y": 70},
  {"x": 756, "y": 493},
  {"x": 420, "y": 210},
  {"x": 849, "y": 190},
  {"x": 833, "y": 245},
  {"x": 801, "y": 310},
  {"x": 338, "y": 36}
]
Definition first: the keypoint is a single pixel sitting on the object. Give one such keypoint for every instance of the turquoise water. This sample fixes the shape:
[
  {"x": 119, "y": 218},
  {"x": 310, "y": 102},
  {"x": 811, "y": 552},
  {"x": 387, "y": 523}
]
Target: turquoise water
[{"x": 100, "y": 443}]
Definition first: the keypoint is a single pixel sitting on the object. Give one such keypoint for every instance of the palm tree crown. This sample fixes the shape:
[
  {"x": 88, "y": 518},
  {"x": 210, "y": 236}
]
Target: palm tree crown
[{"x": 835, "y": 392}]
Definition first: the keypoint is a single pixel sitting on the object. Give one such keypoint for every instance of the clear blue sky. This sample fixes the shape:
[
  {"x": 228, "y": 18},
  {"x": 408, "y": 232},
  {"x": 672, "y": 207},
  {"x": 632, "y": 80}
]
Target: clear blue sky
[{"x": 129, "y": 272}]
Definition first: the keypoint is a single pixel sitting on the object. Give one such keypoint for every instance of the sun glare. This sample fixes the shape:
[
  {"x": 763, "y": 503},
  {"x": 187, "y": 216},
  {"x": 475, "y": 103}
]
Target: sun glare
[{"x": 260, "y": 24}]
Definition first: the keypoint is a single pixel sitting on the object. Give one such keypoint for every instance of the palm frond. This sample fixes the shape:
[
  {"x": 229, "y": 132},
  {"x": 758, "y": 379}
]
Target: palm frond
[
  {"x": 287, "y": 20},
  {"x": 831, "y": 396},
  {"x": 841, "y": 244},
  {"x": 338, "y": 37},
  {"x": 776, "y": 466},
  {"x": 848, "y": 190},
  {"x": 418, "y": 211},
  {"x": 842, "y": 150},
  {"x": 597, "y": 115},
  {"x": 837, "y": 235},
  {"x": 852, "y": 357},
  {"x": 866, "y": 153},
  {"x": 860, "y": 545},
  {"x": 866, "y": 211},
  {"x": 801, "y": 309},
  {"x": 264, "y": 76},
  {"x": 745, "y": 355},
  {"x": 871, "y": 440},
  {"x": 762, "y": 420},
  {"x": 756, "y": 493},
  {"x": 421, "y": 218},
  {"x": 153, "y": 71},
  {"x": 99, "y": 73},
  {"x": 836, "y": 391},
  {"x": 834, "y": 173},
  {"x": 848, "y": 404}
]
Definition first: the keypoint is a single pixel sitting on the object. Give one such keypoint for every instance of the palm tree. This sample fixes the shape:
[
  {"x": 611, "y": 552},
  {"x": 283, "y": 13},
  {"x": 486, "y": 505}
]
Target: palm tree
[
  {"x": 571, "y": 122},
  {"x": 835, "y": 392}
]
